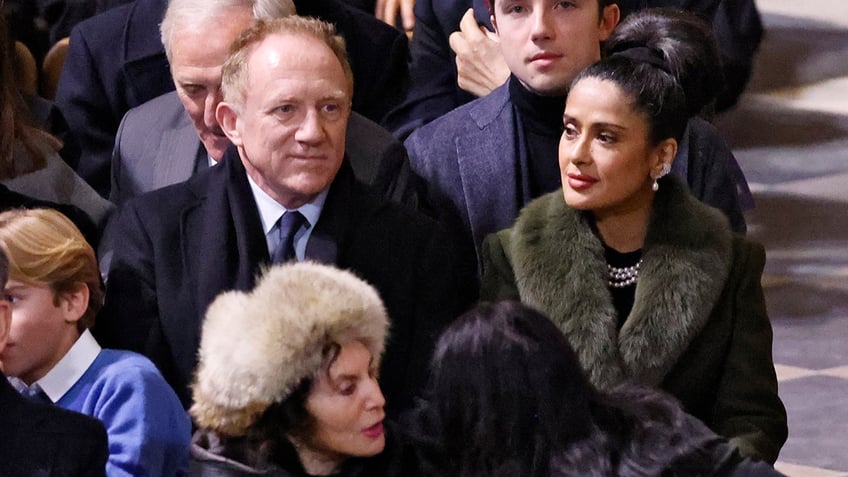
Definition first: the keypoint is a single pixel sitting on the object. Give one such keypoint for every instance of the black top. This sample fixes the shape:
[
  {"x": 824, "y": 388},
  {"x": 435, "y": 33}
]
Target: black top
[
  {"x": 211, "y": 456},
  {"x": 540, "y": 120}
]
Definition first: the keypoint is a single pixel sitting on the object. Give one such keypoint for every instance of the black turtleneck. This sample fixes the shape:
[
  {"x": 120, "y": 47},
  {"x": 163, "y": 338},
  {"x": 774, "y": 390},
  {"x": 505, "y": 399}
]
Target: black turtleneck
[{"x": 540, "y": 120}]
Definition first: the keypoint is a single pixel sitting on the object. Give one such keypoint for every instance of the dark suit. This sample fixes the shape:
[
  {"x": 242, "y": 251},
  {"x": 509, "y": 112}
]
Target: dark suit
[
  {"x": 116, "y": 61},
  {"x": 469, "y": 162},
  {"x": 157, "y": 146},
  {"x": 43, "y": 440},
  {"x": 182, "y": 245}
]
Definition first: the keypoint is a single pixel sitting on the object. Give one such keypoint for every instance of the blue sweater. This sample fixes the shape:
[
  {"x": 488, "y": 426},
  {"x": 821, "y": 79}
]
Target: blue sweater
[{"x": 148, "y": 429}]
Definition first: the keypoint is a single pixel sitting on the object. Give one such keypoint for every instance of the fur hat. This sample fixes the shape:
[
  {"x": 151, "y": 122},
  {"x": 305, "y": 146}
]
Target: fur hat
[{"x": 257, "y": 347}]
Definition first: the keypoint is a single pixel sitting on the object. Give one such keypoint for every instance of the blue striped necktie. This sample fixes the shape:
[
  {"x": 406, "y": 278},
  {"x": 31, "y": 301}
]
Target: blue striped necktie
[{"x": 287, "y": 227}]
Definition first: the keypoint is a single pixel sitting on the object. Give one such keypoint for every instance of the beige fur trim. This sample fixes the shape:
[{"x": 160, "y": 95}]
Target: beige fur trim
[{"x": 257, "y": 347}]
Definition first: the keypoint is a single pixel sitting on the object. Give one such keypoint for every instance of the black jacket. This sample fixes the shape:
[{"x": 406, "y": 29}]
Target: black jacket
[{"x": 39, "y": 439}]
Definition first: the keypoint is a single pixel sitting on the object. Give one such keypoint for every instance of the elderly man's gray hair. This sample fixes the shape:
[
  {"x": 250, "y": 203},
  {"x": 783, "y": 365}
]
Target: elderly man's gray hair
[{"x": 198, "y": 14}]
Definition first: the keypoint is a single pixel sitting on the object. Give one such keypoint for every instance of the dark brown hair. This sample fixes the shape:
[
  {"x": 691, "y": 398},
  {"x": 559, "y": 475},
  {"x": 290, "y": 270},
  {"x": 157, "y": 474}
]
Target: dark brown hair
[{"x": 16, "y": 124}]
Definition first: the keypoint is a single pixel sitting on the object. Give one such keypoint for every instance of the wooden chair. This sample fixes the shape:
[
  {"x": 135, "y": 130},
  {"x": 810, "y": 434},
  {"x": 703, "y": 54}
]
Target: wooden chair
[
  {"x": 52, "y": 68},
  {"x": 25, "y": 70}
]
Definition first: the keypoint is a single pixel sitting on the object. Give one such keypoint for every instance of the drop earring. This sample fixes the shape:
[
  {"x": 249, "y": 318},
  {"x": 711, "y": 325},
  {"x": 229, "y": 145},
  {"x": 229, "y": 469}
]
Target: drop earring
[{"x": 666, "y": 168}]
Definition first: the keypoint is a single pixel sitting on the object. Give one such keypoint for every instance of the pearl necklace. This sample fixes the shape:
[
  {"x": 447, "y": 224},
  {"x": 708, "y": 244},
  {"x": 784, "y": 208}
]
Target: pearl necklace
[{"x": 620, "y": 277}]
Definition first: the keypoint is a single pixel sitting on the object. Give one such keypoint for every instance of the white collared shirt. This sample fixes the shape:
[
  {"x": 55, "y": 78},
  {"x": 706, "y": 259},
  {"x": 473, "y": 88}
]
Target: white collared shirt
[
  {"x": 70, "y": 368},
  {"x": 270, "y": 212}
]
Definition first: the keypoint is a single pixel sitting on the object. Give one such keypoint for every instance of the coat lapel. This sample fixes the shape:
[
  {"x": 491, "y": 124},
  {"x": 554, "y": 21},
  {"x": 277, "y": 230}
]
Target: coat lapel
[
  {"x": 560, "y": 268},
  {"x": 146, "y": 70},
  {"x": 223, "y": 244},
  {"x": 686, "y": 262},
  {"x": 484, "y": 166},
  {"x": 177, "y": 153}
]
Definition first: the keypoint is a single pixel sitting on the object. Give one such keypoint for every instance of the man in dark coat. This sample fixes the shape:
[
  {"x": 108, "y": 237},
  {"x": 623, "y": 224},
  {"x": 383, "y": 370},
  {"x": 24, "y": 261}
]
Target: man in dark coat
[
  {"x": 40, "y": 439},
  {"x": 182, "y": 245},
  {"x": 116, "y": 62}
]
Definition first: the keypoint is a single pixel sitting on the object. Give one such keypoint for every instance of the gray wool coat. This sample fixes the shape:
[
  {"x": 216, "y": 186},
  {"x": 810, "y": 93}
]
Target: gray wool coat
[{"x": 698, "y": 328}]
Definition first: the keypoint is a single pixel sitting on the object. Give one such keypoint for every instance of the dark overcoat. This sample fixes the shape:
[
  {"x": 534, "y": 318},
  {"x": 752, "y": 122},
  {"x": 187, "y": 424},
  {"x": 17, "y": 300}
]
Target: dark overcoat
[{"x": 176, "y": 248}]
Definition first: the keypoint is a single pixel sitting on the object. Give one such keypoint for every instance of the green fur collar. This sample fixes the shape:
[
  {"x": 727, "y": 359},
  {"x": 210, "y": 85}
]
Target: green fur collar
[{"x": 560, "y": 268}]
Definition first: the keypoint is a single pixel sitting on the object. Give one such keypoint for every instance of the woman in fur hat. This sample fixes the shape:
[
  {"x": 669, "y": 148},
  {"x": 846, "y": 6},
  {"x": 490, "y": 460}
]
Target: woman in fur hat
[
  {"x": 648, "y": 284},
  {"x": 507, "y": 397},
  {"x": 286, "y": 381}
]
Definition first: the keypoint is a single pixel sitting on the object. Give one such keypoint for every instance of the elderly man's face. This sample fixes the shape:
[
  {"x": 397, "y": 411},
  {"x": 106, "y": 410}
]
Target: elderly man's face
[
  {"x": 290, "y": 129},
  {"x": 196, "y": 60}
]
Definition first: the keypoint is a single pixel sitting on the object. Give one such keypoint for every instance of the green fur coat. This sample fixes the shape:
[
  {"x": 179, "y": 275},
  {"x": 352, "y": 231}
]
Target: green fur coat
[{"x": 698, "y": 328}]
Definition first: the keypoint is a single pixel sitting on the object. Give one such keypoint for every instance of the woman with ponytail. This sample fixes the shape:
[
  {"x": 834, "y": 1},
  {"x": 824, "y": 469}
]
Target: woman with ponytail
[{"x": 648, "y": 284}]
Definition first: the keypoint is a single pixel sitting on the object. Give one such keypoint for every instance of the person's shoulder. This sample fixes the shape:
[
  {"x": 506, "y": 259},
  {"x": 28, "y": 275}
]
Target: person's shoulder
[
  {"x": 115, "y": 363},
  {"x": 705, "y": 137},
  {"x": 746, "y": 250},
  {"x": 679, "y": 215},
  {"x": 120, "y": 369},
  {"x": 160, "y": 112},
  {"x": 110, "y": 21},
  {"x": 172, "y": 198},
  {"x": 543, "y": 212},
  {"x": 468, "y": 118},
  {"x": 396, "y": 217}
]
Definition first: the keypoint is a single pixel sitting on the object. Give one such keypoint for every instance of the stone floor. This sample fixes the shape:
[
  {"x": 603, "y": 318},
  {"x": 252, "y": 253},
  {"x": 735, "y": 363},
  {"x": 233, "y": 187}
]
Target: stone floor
[{"x": 790, "y": 135}]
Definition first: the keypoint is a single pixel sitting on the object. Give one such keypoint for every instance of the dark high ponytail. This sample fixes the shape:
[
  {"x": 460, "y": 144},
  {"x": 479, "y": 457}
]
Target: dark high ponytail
[{"x": 687, "y": 44}]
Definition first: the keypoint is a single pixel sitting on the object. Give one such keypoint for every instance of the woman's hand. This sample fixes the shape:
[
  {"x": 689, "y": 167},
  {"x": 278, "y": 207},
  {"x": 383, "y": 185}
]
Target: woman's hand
[{"x": 480, "y": 67}]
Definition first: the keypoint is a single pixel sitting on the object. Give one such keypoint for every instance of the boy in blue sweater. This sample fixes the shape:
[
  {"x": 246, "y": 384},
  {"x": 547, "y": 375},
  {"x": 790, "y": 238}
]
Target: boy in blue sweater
[{"x": 55, "y": 292}]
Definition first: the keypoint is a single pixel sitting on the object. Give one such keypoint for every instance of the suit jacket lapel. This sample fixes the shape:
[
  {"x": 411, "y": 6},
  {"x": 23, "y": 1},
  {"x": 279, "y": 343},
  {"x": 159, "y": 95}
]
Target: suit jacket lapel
[
  {"x": 486, "y": 161},
  {"x": 177, "y": 153},
  {"x": 146, "y": 70}
]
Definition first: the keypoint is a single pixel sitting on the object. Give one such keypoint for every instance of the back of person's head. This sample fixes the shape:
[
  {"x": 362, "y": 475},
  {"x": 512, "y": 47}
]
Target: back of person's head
[
  {"x": 44, "y": 248},
  {"x": 261, "y": 349},
  {"x": 197, "y": 14},
  {"x": 18, "y": 132},
  {"x": 640, "y": 431},
  {"x": 687, "y": 45},
  {"x": 506, "y": 395}
]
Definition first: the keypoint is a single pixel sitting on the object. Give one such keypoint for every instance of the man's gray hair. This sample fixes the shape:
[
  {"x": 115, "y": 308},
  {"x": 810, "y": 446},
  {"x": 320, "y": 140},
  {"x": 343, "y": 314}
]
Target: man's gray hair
[{"x": 197, "y": 14}]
